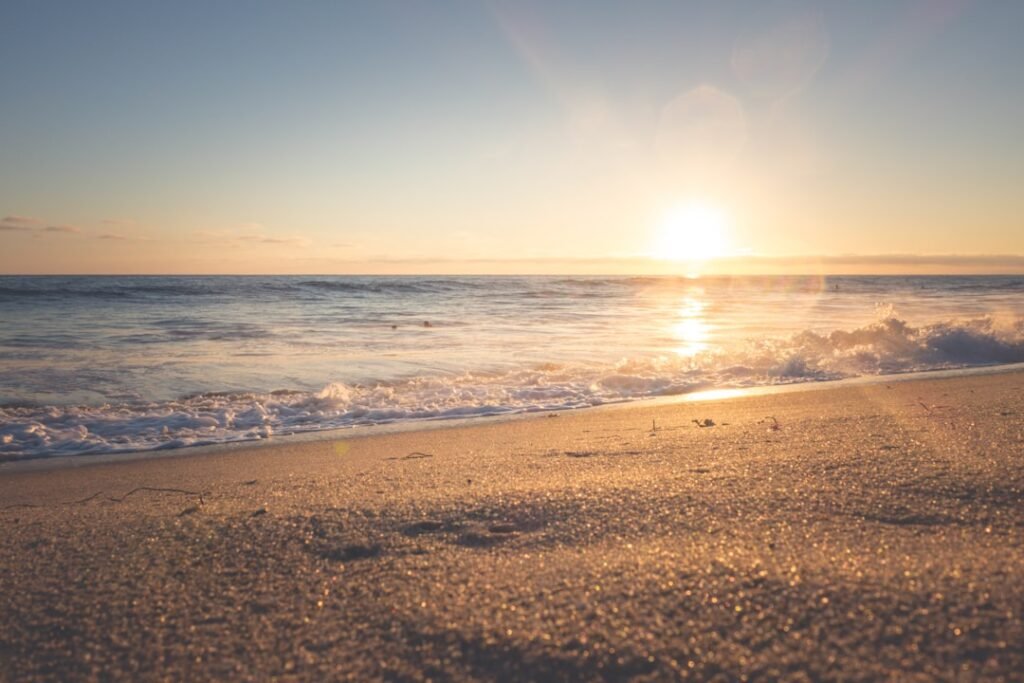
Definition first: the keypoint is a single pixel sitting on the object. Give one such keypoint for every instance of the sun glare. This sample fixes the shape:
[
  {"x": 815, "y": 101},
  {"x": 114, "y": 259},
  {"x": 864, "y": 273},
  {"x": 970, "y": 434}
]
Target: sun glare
[{"x": 691, "y": 232}]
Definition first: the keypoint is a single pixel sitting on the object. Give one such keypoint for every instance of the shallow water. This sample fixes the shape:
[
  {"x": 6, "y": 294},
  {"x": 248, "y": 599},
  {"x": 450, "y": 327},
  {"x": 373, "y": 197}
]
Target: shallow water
[{"x": 102, "y": 364}]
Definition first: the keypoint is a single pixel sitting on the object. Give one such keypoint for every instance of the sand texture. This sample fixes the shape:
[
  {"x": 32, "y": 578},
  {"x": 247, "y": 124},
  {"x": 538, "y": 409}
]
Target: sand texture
[{"x": 866, "y": 532}]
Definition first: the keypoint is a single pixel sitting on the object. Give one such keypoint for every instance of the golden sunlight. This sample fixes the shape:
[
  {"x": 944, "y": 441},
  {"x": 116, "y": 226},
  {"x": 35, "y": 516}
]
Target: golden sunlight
[
  {"x": 691, "y": 330},
  {"x": 691, "y": 232}
]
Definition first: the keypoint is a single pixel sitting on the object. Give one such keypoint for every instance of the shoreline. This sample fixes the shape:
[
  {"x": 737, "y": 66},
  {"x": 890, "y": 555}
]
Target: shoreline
[
  {"x": 865, "y": 532},
  {"x": 45, "y": 462}
]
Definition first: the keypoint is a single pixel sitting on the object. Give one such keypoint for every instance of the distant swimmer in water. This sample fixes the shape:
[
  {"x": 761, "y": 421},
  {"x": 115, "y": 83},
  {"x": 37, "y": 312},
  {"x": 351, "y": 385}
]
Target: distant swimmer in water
[{"x": 426, "y": 323}]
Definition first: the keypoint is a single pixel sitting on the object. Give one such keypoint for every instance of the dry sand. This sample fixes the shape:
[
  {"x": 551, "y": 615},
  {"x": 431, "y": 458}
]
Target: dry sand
[{"x": 875, "y": 534}]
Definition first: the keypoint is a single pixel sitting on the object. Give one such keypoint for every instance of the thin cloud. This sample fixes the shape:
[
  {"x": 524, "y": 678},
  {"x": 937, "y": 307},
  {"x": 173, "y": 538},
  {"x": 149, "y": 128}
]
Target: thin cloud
[
  {"x": 34, "y": 225},
  {"x": 297, "y": 241},
  {"x": 119, "y": 222},
  {"x": 38, "y": 228},
  {"x": 19, "y": 223},
  {"x": 27, "y": 221},
  {"x": 230, "y": 237}
]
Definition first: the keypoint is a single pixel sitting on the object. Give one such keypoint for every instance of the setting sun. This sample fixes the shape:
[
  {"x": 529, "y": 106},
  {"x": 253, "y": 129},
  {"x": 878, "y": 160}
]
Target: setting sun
[{"x": 691, "y": 232}]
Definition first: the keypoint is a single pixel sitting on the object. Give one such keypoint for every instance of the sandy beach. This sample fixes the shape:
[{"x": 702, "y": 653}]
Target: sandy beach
[{"x": 862, "y": 532}]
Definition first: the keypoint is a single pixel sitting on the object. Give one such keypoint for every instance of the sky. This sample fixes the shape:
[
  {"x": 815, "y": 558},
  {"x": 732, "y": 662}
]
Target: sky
[{"x": 499, "y": 136}]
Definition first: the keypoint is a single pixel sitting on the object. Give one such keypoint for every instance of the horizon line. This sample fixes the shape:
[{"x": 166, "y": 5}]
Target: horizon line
[{"x": 735, "y": 266}]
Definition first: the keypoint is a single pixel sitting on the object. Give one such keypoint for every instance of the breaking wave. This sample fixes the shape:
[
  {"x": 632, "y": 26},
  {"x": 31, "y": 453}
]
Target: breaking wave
[{"x": 887, "y": 346}]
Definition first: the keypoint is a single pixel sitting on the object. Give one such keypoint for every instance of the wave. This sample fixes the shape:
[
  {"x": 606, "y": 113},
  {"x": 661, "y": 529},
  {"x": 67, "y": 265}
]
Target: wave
[
  {"x": 381, "y": 286},
  {"x": 25, "y": 292},
  {"x": 92, "y": 290},
  {"x": 241, "y": 287},
  {"x": 887, "y": 346}
]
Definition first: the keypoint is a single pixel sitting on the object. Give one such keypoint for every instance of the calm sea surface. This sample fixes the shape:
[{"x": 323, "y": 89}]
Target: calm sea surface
[{"x": 101, "y": 364}]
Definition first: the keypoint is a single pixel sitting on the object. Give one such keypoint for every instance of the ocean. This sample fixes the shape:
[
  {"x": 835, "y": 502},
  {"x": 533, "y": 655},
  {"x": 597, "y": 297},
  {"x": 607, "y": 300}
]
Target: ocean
[{"x": 107, "y": 364}]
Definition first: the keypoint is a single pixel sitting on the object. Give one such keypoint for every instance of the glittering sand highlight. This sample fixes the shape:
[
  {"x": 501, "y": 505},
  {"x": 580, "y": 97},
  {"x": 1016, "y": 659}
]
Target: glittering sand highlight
[{"x": 858, "y": 533}]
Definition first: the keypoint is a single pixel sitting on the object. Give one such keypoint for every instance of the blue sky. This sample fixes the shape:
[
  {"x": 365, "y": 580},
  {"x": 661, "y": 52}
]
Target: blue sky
[{"x": 344, "y": 136}]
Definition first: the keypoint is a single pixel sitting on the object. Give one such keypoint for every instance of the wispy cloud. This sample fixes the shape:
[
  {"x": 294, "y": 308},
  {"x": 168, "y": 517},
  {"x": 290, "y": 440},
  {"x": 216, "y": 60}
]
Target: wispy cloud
[
  {"x": 266, "y": 239},
  {"x": 19, "y": 223},
  {"x": 26, "y": 221},
  {"x": 34, "y": 225},
  {"x": 119, "y": 222},
  {"x": 297, "y": 241},
  {"x": 111, "y": 236},
  {"x": 234, "y": 237}
]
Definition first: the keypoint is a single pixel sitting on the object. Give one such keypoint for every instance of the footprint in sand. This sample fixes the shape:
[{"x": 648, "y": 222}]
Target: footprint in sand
[
  {"x": 425, "y": 526},
  {"x": 473, "y": 535},
  {"x": 479, "y": 536}
]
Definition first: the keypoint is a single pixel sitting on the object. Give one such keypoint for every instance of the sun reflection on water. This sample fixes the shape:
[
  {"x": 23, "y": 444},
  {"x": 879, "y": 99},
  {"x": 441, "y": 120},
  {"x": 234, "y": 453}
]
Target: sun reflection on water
[{"x": 691, "y": 330}]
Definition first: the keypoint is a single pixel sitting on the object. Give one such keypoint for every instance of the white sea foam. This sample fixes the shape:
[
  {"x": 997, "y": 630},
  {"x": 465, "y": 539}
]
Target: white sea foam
[{"x": 889, "y": 345}]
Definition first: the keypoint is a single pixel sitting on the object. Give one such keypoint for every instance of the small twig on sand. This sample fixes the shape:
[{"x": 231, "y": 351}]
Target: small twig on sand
[
  {"x": 774, "y": 426},
  {"x": 84, "y": 500},
  {"x": 924, "y": 405},
  {"x": 415, "y": 455},
  {"x": 155, "y": 489},
  {"x": 706, "y": 422}
]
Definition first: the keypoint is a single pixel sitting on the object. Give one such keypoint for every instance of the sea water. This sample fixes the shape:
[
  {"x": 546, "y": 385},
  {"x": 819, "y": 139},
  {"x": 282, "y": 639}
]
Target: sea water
[{"x": 104, "y": 364}]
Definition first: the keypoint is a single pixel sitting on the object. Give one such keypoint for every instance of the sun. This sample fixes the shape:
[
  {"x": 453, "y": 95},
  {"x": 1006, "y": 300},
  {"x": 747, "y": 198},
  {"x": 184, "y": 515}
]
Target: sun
[{"x": 691, "y": 232}]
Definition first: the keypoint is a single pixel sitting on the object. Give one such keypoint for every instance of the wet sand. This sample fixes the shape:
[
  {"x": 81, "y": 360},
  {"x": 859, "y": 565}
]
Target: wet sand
[{"x": 853, "y": 533}]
